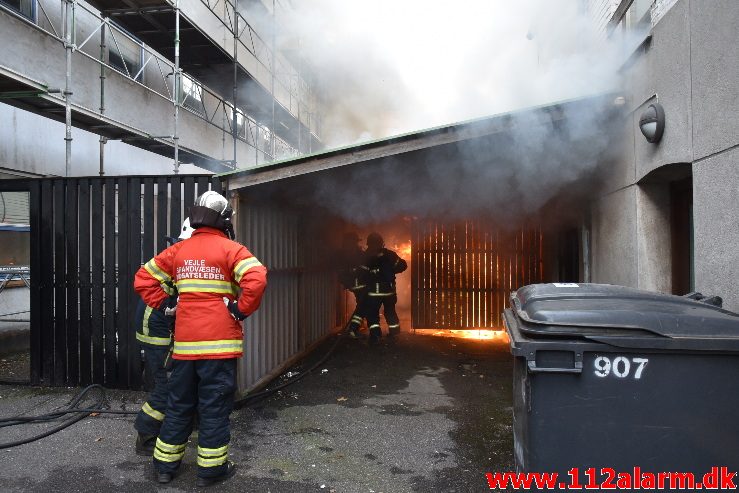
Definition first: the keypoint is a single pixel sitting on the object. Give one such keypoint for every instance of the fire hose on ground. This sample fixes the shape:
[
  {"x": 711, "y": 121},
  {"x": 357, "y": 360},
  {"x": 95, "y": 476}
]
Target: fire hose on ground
[{"x": 79, "y": 414}]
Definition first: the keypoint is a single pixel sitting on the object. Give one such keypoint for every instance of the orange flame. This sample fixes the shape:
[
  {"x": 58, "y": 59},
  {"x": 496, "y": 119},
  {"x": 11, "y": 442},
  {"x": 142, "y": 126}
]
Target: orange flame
[
  {"x": 474, "y": 334},
  {"x": 404, "y": 250}
]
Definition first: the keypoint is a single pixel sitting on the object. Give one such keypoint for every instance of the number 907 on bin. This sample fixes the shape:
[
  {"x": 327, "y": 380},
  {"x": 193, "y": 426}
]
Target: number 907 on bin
[{"x": 619, "y": 367}]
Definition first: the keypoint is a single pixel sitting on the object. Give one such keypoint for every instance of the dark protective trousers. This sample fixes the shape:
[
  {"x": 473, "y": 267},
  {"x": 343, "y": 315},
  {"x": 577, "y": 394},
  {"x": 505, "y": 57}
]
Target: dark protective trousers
[
  {"x": 149, "y": 420},
  {"x": 372, "y": 313},
  {"x": 359, "y": 311},
  {"x": 208, "y": 386}
]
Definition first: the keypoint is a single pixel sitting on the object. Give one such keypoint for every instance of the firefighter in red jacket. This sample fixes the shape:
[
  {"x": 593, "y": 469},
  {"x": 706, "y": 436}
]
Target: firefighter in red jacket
[{"x": 219, "y": 283}]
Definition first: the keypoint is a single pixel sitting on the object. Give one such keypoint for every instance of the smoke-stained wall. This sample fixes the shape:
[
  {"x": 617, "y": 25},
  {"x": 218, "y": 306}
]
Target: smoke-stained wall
[{"x": 536, "y": 157}]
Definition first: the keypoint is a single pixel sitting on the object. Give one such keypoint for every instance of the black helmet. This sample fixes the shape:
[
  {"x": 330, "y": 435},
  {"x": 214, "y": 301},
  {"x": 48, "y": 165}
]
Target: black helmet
[
  {"x": 375, "y": 241},
  {"x": 212, "y": 210}
]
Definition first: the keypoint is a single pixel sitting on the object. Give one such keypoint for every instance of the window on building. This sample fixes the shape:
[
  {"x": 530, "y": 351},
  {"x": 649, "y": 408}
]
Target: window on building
[
  {"x": 192, "y": 94},
  {"x": 26, "y": 8},
  {"x": 125, "y": 53},
  {"x": 638, "y": 14},
  {"x": 265, "y": 140},
  {"x": 240, "y": 120}
]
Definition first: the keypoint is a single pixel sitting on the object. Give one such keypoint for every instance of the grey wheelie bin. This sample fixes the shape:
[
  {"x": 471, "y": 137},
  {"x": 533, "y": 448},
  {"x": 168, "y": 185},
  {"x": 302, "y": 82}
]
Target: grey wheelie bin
[{"x": 613, "y": 377}]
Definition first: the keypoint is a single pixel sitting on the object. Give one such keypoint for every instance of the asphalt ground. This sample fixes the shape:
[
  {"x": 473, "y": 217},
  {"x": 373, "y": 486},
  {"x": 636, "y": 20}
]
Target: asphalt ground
[
  {"x": 15, "y": 367},
  {"x": 422, "y": 414}
]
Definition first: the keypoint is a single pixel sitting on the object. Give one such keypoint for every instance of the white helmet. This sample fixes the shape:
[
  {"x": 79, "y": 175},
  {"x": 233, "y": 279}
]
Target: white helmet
[
  {"x": 186, "y": 231},
  {"x": 213, "y": 200}
]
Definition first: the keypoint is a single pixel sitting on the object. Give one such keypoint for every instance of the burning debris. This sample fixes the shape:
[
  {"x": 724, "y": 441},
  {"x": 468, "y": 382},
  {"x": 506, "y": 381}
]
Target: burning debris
[
  {"x": 465, "y": 271},
  {"x": 499, "y": 336}
]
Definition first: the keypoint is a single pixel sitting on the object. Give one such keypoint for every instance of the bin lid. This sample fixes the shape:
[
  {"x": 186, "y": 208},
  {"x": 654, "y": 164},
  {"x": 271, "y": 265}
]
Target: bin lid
[{"x": 607, "y": 313}]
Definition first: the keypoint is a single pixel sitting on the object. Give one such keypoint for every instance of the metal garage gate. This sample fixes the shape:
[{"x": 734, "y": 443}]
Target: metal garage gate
[{"x": 463, "y": 272}]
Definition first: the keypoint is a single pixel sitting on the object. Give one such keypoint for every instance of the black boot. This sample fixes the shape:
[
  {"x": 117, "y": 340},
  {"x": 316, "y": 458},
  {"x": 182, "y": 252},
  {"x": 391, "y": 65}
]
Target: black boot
[
  {"x": 145, "y": 444},
  {"x": 162, "y": 477},
  {"x": 375, "y": 335},
  {"x": 230, "y": 471}
]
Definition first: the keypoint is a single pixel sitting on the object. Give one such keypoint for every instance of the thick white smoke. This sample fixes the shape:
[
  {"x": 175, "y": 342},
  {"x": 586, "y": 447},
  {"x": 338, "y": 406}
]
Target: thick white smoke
[{"x": 386, "y": 67}]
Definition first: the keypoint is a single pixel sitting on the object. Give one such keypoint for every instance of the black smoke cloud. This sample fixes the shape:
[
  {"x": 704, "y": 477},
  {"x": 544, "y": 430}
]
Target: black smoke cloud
[{"x": 541, "y": 163}]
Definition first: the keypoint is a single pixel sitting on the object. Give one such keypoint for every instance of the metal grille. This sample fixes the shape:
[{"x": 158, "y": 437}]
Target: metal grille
[{"x": 463, "y": 273}]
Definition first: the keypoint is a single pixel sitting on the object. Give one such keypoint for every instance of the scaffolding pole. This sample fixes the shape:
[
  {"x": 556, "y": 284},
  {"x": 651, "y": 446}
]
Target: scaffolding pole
[
  {"x": 274, "y": 69},
  {"x": 68, "y": 47},
  {"x": 235, "y": 124},
  {"x": 177, "y": 86},
  {"x": 300, "y": 87}
]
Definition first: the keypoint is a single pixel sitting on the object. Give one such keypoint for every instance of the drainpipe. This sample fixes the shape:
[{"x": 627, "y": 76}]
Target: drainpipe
[
  {"x": 68, "y": 46},
  {"x": 177, "y": 86},
  {"x": 103, "y": 46}
]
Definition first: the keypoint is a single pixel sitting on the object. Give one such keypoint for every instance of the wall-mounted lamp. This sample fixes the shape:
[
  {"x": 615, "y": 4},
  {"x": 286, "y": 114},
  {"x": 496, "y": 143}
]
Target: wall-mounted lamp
[{"x": 652, "y": 123}]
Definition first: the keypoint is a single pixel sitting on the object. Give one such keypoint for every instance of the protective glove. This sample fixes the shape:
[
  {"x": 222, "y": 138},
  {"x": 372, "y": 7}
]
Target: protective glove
[
  {"x": 233, "y": 309},
  {"x": 169, "y": 306}
]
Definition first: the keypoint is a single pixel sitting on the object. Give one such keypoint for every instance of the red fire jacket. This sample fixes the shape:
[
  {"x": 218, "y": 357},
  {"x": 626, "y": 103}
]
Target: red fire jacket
[{"x": 205, "y": 268}]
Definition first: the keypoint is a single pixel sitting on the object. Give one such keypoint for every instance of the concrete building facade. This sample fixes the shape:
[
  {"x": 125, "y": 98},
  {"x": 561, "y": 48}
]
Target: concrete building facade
[
  {"x": 129, "y": 67},
  {"x": 667, "y": 220}
]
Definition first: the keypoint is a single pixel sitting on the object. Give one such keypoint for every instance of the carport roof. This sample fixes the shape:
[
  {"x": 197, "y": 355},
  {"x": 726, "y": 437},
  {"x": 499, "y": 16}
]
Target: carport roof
[{"x": 411, "y": 143}]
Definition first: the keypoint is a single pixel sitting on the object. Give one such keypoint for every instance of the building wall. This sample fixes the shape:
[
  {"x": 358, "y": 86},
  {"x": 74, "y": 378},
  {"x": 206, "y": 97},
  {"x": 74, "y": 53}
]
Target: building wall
[
  {"x": 716, "y": 216},
  {"x": 690, "y": 67},
  {"x": 614, "y": 233},
  {"x": 35, "y": 144},
  {"x": 662, "y": 74}
]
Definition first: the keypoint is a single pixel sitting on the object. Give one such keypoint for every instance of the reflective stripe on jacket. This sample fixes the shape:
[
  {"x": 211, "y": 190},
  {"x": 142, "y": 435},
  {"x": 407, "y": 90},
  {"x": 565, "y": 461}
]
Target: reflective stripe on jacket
[
  {"x": 153, "y": 327},
  {"x": 205, "y": 269}
]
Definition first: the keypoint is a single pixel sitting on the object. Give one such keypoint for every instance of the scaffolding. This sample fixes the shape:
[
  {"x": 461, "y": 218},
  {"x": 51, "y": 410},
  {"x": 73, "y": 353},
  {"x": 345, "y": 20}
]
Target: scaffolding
[
  {"x": 84, "y": 30},
  {"x": 287, "y": 85}
]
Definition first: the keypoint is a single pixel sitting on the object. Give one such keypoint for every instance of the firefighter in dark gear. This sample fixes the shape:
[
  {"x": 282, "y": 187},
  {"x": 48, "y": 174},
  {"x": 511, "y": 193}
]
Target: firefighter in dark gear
[
  {"x": 219, "y": 283},
  {"x": 352, "y": 275},
  {"x": 154, "y": 334},
  {"x": 382, "y": 265}
]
